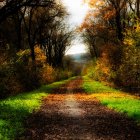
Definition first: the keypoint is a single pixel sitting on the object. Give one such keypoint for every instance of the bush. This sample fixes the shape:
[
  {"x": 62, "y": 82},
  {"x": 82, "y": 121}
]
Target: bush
[
  {"x": 21, "y": 74},
  {"x": 129, "y": 70},
  {"x": 120, "y": 65},
  {"x": 47, "y": 74},
  {"x": 103, "y": 69},
  {"x": 9, "y": 82}
]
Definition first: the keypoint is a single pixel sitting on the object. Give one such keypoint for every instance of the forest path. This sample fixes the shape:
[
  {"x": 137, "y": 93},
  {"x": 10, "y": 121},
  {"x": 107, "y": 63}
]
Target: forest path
[{"x": 71, "y": 114}]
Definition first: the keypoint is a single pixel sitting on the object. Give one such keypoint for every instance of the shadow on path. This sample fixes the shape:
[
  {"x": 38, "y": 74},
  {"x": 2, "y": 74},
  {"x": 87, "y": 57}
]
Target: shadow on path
[{"x": 68, "y": 116}]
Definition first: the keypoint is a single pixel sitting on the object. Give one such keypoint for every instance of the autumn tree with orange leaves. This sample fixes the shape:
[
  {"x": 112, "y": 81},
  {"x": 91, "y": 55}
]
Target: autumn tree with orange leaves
[{"x": 108, "y": 25}]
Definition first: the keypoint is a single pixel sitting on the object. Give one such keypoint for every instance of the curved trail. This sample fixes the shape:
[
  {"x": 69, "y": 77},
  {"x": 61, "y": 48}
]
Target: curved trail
[{"x": 71, "y": 114}]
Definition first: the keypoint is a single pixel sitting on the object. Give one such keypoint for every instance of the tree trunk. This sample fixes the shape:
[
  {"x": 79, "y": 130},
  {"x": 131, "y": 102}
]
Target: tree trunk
[
  {"x": 19, "y": 37},
  {"x": 32, "y": 51},
  {"x": 119, "y": 26},
  {"x": 138, "y": 8},
  {"x": 95, "y": 52}
]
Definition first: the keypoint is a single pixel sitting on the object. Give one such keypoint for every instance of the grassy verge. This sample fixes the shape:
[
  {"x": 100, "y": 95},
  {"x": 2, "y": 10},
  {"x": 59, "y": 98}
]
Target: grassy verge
[
  {"x": 91, "y": 86},
  {"x": 114, "y": 99},
  {"x": 14, "y": 110}
]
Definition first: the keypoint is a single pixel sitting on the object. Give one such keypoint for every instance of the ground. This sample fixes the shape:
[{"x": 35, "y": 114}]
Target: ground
[{"x": 71, "y": 114}]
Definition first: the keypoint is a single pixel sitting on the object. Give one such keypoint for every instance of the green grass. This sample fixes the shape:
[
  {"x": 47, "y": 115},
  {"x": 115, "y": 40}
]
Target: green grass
[
  {"x": 117, "y": 100},
  {"x": 48, "y": 88},
  {"x": 14, "y": 110},
  {"x": 91, "y": 86}
]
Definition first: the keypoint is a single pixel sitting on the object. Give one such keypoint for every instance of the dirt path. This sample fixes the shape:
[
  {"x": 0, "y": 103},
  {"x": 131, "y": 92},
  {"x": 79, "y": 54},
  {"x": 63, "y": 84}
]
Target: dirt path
[{"x": 70, "y": 114}]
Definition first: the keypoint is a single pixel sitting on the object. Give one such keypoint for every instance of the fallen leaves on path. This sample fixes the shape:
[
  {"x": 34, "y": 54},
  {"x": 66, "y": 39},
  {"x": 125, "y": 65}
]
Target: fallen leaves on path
[{"x": 70, "y": 114}]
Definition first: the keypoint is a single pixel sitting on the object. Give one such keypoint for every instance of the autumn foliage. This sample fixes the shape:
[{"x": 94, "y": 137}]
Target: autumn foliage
[
  {"x": 24, "y": 75},
  {"x": 111, "y": 31},
  {"x": 33, "y": 41}
]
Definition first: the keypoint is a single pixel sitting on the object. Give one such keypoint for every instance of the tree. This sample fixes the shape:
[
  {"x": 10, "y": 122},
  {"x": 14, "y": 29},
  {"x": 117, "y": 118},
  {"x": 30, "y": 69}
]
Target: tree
[
  {"x": 10, "y": 7},
  {"x": 112, "y": 27},
  {"x": 30, "y": 22},
  {"x": 57, "y": 38}
]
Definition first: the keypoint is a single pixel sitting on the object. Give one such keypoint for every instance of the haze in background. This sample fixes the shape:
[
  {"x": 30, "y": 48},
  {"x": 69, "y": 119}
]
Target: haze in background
[{"x": 77, "y": 10}]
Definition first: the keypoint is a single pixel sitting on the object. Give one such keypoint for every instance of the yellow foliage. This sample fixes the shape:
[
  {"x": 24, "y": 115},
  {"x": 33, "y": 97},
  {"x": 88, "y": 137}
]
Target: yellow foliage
[
  {"x": 40, "y": 56},
  {"x": 47, "y": 74},
  {"x": 129, "y": 42},
  {"x": 132, "y": 36},
  {"x": 23, "y": 52},
  {"x": 103, "y": 67},
  {"x": 94, "y": 3}
]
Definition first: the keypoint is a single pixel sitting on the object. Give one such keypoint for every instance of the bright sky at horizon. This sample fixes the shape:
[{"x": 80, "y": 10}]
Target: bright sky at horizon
[
  {"x": 77, "y": 10},
  {"x": 77, "y": 48}
]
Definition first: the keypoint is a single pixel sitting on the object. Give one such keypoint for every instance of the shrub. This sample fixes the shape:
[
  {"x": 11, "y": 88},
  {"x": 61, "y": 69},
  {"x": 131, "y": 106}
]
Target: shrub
[
  {"x": 21, "y": 74},
  {"x": 129, "y": 70},
  {"x": 121, "y": 65},
  {"x": 47, "y": 74}
]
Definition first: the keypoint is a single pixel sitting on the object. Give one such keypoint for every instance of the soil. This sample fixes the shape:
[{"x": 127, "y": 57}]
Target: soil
[{"x": 71, "y": 114}]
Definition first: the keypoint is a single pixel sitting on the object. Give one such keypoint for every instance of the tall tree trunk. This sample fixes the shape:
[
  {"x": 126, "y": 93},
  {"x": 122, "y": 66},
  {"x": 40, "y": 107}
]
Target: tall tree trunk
[
  {"x": 95, "y": 51},
  {"x": 19, "y": 37},
  {"x": 138, "y": 8},
  {"x": 30, "y": 37},
  {"x": 119, "y": 26},
  {"x": 32, "y": 52}
]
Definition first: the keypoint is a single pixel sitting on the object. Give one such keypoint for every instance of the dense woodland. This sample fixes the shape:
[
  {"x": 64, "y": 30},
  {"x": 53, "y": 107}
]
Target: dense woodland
[
  {"x": 46, "y": 94},
  {"x": 112, "y": 33},
  {"x": 34, "y": 37}
]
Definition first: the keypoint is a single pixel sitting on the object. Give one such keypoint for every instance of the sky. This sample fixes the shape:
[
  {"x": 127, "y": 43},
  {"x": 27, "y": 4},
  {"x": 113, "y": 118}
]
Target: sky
[{"x": 77, "y": 10}]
